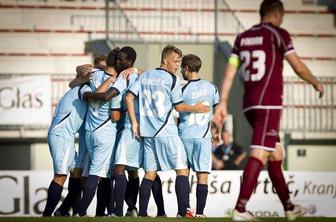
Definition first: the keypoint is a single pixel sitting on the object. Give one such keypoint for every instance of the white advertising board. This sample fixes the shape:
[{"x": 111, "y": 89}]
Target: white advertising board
[
  {"x": 25, "y": 100},
  {"x": 23, "y": 193}
]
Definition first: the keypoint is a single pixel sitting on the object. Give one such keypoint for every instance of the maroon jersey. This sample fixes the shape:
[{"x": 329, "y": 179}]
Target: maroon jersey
[{"x": 261, "y": 51}]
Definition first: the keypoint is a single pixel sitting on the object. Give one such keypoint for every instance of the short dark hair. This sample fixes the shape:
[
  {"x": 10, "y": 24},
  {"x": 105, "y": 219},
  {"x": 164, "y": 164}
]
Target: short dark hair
[
  {"x": 99, "y": 58},
  {"x": 112, "y": 57},
  {"x": 268, "y": 6},
  {"x": 193, "y": 62},
  {"x": 169, "y": 49},
  {"x": 130, "y": 52}
]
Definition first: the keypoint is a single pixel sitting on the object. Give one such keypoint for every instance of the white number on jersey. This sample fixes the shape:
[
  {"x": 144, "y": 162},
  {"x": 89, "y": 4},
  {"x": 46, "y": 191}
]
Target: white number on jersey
[
  {"x": 158, "y": 98},
  {"x": 258, "y": 64},
  {"x": 199, "y": 118}
]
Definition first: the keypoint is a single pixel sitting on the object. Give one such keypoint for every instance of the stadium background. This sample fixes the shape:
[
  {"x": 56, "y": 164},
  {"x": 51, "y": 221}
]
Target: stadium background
[{"x": 42, "y": 41}]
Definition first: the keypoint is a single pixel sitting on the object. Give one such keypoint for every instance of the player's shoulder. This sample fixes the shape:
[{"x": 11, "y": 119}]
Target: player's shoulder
[
  {"x": 213, "y": 85},
  {"x": 276, "y": 29}
]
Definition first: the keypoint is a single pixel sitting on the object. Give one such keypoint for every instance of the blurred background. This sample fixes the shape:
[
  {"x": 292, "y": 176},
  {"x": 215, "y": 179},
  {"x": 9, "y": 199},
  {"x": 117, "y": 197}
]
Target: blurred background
[{"x": 42, "y": 41}]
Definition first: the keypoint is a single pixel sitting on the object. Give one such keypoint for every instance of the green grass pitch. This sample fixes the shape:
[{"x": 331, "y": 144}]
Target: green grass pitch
[{"x": 106, "y": 219}]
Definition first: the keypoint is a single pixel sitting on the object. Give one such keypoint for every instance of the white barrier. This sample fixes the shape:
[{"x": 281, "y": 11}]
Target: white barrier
[
  {"x": 25, "y": 100},
  {"x": 23, "y": 193}
]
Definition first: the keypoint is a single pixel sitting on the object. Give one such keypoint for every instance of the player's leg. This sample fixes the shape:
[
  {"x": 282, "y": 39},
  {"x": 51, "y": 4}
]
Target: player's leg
[
  {"x": 150, "y": 165},
  {"x": 63, "y": 154},
  {"x": 276, "y": 175},
  {"x": 261, "y": 146},
  {"x": 158, "y": 196},
  {"x": 74, "y": 190},
  {"x": 132, "y": 191},
  {"x": 182, "y": 186},
  {"x": 127, "y": 156},
  {"x": 103, "y": 196},
  {"x": 182, "y": 189},
  {"x": 119, "y": 189},
  {"x": 54, "y": 194},
  {"x": 145, "y": 191},
  {"x": 201, "y": 164},
  {"x": 75, "y": 180},
  {"x": 201, "y": 193},
  {"x": 100, "y": 145}
]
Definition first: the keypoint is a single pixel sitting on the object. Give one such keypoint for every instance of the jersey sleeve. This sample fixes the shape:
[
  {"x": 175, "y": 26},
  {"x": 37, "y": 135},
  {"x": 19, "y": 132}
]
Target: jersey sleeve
[
  {"x": 176, "y": 93},
  {"x": 96, "y": 80},
  {"x": 115, "y": 103},
  {"x": 134, "y": 88},
  {"x": 84, "y": 89},
  {"x": 235, "y": 48},
  {"x": 286, "y": 44},
  {"x": 119, "y": 85},
  {"x": 216, "y": 96}
]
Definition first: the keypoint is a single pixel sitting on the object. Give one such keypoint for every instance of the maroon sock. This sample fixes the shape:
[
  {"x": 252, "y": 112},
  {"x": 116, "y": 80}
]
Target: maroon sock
[
  {"x": 250, "y": 179},
  {"x": 279, "y": 183}
]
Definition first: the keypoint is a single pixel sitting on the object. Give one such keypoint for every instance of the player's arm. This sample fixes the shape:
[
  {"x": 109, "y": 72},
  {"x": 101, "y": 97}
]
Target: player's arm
[
  {"x": 127, "y": 72},
  {"x": 84, "y": 74},
  {"x": 106, "y": 84},
  {"x": 105, "y": 96},
  {"x": 197, "y": 108},
  {"x": 304, "y": 73},
  {"x": 115, "y": 115},
  {"x": 229, "y": 74},
  {"x": 129, "y": 99}
]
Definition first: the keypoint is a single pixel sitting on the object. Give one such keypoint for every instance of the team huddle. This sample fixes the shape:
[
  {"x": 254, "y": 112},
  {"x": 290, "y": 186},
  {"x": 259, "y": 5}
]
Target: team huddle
[{"x": 125, "y": 121}]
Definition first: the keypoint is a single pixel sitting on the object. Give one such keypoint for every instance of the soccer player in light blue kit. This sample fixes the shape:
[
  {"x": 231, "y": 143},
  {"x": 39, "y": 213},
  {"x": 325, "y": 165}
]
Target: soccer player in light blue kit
[
  {"x": 126, "y": 59},
  {"x": 84, "y": 74},
  {"x": 194, "y": 128},
  {"x": 159, "y": 92},
  {"x": 100, "y": 135},
  {"x": 67, "y": 120}
]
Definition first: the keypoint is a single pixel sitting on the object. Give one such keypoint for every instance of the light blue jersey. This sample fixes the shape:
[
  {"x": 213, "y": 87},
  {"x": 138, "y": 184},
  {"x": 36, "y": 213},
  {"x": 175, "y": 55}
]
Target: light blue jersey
[
  {"x": 197, "y": 125},
  {"x": 99, "y": 111},
  {"x": 158, "y": 92},
  {"x": 69, "y": 114},
  {"x": 122, "y": 85},
  {"x": 128, "y": 151},
  {"x": 68, "y": 119},
  {"x": 100, "y": 130}
]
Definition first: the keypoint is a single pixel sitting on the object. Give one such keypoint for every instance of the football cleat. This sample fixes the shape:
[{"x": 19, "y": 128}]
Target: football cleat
[
  {"x": 132, "y": 213},
  {"x": 298, "y": 211},
  {"x": 58, "y": 213},
  {"x": 243, "y": 216},
  {"x": 200, "y": 216}
]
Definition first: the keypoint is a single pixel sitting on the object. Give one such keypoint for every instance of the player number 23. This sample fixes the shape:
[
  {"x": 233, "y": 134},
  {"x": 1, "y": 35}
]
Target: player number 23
[
  {"x": 258, "y": 59},
  {"x": 158, "y": 98}
]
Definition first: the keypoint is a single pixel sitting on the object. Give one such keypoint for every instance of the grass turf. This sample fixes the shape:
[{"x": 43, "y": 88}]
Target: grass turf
[{"x": 129, "y": 219}]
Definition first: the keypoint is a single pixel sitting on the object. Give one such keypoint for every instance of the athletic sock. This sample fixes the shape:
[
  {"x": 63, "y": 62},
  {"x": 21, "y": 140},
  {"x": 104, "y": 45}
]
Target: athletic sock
[
  {"x": 201, "y": 196},
  {"x": 132, "y": 190},
  {"x": 103, "y": 196},
  {"x": 279, "y": 183},
  {"x": 144, "y": 195},
  {"x": 54, "y": 196},
  {"x": 89, "y": 191},
  {"x": 119, "y": 194},
  {"x": 250, "y": 179},
  {"x": 182, "y": 193},
  {"x": 158, "y": 197}
]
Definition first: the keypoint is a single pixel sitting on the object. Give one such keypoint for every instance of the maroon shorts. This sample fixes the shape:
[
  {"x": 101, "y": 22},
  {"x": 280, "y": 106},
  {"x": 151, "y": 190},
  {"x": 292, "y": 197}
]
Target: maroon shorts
[{"x": 265, "y": 125}]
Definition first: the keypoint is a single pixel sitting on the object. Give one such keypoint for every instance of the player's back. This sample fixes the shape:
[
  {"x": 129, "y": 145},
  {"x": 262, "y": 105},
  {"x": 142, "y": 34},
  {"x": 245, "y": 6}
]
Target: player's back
[
  {"x": 126, "y": 85},
  {"x": 69, "y": 114},
  {"x": 197, "y": 125},
  {"x": 159, "y": 90},
  {"x": 98, "y": 110},
  {"x": 261, "y": 50}
]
